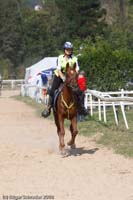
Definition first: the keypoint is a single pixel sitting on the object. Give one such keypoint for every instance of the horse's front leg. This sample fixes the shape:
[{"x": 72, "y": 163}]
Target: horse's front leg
[
  {"x": 74, "y": 132},
  {"x": 57, "y": 122},
  {"x": 61, "y": 133}
]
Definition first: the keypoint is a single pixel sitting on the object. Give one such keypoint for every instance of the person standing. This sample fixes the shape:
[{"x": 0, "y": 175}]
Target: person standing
[{"x": 82, "y": 83}]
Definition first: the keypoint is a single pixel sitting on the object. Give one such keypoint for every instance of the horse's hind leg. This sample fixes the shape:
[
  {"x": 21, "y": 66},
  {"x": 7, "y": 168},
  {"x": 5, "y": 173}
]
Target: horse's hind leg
[{"x": 74, "y": 132}]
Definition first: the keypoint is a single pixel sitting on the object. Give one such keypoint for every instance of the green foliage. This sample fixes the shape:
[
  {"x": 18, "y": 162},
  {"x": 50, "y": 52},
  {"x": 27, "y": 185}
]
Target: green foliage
[
  {"x": 106, "y": 67},
  {"x": 81, "y": 18},
  {"x": 39, "y": 33},
  {"x": 11, "y": 40},
  {"x": 5, "y": 68},
  {"x": 27, "y": 36}
]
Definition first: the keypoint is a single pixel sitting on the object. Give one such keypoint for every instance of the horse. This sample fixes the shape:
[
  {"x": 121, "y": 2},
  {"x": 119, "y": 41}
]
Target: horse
[{"x": 67, "y": 108}]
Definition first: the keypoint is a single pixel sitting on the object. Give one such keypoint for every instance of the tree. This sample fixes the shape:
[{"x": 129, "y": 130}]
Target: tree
[
  {"x": 11, "y": 40},
  {"x": 81, "y": 18},
  {"x": 107, "y": 68},
  {"x": 40, "y": 33}
]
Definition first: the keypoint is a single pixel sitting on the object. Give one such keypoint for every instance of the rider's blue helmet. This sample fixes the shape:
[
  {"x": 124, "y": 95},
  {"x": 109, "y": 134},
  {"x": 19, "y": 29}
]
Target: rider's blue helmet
[{"x": 68, "y": 45}]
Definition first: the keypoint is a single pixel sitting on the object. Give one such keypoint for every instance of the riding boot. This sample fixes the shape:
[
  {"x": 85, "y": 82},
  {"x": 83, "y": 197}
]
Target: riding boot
[{"x": 46, "y": 112}]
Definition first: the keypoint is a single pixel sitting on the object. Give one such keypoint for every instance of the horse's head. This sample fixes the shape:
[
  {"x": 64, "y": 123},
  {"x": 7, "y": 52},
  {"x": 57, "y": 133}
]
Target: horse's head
[{"x": 71, "y": 76}]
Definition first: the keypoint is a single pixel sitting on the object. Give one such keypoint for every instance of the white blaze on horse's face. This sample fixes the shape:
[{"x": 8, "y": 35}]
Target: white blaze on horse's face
[
  {"x": 72, "y": 71},
  {"x": 71, "y": 77}
]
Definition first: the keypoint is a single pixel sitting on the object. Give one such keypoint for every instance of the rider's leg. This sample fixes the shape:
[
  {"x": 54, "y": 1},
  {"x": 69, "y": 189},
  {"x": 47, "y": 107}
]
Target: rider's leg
[
  {"x": 56, "y": 82},
  {"x": 49, "y": 106}
]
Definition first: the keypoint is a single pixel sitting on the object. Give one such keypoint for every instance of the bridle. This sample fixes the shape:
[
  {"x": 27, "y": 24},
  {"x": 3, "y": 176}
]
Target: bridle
[{"x": 70, "y": 85}]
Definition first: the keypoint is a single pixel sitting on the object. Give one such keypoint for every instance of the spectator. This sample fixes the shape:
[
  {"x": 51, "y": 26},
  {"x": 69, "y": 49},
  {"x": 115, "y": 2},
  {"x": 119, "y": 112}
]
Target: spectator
[
  {"x": 82, "y": 81},
  {"x": 82, "y": 86}
]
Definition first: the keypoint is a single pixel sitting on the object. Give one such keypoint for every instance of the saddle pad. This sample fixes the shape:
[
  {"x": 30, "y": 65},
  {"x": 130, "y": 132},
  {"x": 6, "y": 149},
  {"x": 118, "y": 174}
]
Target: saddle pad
[{"x": 56, "y": 94}]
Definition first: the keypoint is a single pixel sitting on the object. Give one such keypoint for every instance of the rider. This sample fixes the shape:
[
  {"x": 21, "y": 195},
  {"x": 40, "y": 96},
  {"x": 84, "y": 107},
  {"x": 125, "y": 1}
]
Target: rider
[{"x": 59, "y": 76}]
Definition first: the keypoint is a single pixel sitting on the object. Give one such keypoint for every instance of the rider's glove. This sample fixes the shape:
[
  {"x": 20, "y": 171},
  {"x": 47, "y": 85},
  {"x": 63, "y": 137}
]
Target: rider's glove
[{"x": 63, "y": 78}]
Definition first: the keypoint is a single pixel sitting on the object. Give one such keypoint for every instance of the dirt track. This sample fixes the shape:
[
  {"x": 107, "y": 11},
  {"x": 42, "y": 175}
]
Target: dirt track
[{"x": 30, "y": 164}]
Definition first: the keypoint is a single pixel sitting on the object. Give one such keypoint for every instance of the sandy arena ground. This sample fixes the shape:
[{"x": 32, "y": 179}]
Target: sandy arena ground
[{"x": 31, "y": 168}]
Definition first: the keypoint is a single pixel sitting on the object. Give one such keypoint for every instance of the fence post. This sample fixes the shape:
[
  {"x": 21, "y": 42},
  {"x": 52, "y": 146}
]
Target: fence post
[
  {"x": 91, "y": 106},
  {"x": 99, "y": 109},
  {"x": 124, "y": 115},
  {"x": 12, "y": 84},
  {"x": 115, "y": 114},
  {"x": 85, "y": 100},
  {"x": 104, "y": 112}
]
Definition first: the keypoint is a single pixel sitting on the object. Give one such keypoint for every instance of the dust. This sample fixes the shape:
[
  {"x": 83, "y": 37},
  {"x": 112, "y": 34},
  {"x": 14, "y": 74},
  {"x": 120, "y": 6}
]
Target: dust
[{"x": 52, "y": 144}]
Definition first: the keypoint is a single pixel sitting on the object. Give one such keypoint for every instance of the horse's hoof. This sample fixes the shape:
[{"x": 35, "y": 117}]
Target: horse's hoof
[
  {"x": 69, "y": 143},
  {"x": 64, "y": 153},
  {"x": 73, "y": 146}
]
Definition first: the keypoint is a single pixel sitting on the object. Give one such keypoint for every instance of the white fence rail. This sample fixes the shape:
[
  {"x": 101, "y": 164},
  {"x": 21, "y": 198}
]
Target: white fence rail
[
  {"x": 12, "y": 83},
  {"x": 35, "y": 92},
  {"x": 96, "y": 99},
  {"x": 93, "y": 100}
]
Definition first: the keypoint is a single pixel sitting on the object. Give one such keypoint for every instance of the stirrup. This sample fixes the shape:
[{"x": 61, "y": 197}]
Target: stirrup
[{"x": 46, "y": 113}]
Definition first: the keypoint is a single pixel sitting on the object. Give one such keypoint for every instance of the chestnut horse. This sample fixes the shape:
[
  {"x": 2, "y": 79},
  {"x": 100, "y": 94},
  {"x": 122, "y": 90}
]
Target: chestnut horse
[{"x": 67, "y": 108}]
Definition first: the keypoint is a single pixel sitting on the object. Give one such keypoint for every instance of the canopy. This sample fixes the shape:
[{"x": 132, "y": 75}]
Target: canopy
[
  {"x": 37, "y": 76},
  {"x": 46, "y": 65}
]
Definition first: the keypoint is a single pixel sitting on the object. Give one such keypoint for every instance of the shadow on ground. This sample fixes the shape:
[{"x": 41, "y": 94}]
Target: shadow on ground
[{"x": 80, "y": 151}]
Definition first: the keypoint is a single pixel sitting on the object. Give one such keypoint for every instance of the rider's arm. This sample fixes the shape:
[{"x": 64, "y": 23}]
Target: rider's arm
[
  {"x": 60, "y": 74},
  {"x": 77, "y": 66}
]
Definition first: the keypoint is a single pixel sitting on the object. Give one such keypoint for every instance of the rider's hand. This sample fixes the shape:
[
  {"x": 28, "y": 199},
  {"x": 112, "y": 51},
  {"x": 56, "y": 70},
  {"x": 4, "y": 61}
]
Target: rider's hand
[{"x": 63, "y": 78}]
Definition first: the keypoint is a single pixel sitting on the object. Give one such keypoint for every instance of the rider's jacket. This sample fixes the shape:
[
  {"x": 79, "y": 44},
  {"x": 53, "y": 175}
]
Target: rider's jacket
[{"x": 63, "y": 60}]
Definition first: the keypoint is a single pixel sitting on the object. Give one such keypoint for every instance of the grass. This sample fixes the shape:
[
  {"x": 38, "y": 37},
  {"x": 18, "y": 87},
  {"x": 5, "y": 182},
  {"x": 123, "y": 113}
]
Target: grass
[
  {"x": 118, "y": 138},
  {"x": 110, "y": 135}
]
